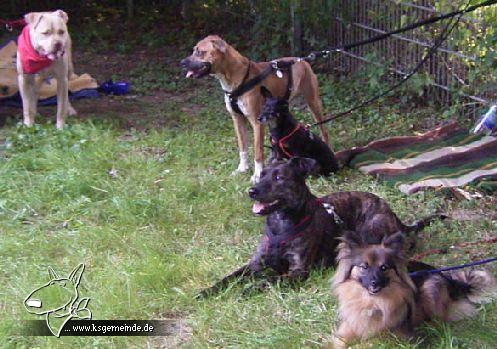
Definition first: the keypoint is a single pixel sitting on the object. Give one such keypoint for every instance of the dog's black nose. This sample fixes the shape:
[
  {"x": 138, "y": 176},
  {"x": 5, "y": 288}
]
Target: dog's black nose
[
  {"x": 183, "y": 63},
  {"x": 252, "y": 193},
  {"x": 374, "y": 283}
]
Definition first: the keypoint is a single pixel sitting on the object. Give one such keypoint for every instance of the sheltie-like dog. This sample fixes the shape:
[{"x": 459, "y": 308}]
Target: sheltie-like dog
[{"x": 376, "y": 293}]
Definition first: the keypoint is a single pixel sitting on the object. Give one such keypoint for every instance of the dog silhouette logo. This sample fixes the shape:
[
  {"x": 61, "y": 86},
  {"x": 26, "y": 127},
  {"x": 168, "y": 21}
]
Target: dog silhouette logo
[{"x": 59, "y": 300}]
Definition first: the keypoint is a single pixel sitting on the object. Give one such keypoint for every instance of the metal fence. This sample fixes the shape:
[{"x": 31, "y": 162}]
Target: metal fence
[{"x": 447, "y": 68}]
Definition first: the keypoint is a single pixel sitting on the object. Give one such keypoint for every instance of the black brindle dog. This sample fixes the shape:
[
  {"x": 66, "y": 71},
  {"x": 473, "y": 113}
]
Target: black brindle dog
[
  {"x": 289, "y": 138},
  {"x": 301, "y": 230}
]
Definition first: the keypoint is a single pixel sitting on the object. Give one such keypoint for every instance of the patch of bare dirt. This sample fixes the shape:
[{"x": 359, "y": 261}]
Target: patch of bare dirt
[
  {"x": 467, "y": 215},
  {"x": 132, "y": 111},
  {"x": 176, "y": 331},
  {"x": 102, "y": 65}
]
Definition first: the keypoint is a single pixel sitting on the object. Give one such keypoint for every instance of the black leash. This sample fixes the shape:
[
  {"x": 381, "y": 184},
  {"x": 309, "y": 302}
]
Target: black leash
[
  {"x": 316, "y": 54},
  {"x": 443, "y": 36},
  {"x": 278, "y": 66},
  {"x": 457, "y": 267}
]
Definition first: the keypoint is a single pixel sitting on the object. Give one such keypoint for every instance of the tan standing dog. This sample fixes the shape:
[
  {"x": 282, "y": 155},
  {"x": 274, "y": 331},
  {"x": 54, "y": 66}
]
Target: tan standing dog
[
  {"x": 44, "y": 48},
  {"x": 213, "y": 56}
]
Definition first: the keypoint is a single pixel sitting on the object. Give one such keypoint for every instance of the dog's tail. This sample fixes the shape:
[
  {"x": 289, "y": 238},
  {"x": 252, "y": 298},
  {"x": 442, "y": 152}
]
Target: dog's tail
[
  {"x": 422, "y": 223},
  {"x": 466, "y": 288}
]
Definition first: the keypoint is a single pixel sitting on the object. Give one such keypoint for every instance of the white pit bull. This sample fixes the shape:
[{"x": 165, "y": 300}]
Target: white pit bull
[{"x": 44, "y": 48}]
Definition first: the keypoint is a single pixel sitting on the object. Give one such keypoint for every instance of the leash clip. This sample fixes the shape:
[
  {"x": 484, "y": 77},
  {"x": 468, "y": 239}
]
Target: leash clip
[
  {"x": 330, "y": 209},
  {"x": 8, "y": 27}
]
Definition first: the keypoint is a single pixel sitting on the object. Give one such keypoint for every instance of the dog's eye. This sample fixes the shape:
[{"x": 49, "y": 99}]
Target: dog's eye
[
  {"x": 364, "y": 266},
  {"x": 277, "y": 177},
  {"x": 60, "y": 32},
  {"x": 45, "y": 33},
  {"x": 263, "y": 173},
  {"x": 384, "y": 267}
]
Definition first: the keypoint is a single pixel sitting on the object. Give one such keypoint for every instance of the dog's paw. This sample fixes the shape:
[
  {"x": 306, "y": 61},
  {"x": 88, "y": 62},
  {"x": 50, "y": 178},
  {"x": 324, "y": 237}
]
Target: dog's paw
[
  {"x": 242, "y": 168},
  {"x": 255, "y": 178}
]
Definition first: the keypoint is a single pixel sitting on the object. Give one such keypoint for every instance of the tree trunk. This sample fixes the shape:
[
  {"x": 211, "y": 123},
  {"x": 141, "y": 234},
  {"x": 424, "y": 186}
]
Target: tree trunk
[
  {"x": 130, "y": 8},
  {"x": 186, "y": 7},
  {"x": 296, "y": 15}
]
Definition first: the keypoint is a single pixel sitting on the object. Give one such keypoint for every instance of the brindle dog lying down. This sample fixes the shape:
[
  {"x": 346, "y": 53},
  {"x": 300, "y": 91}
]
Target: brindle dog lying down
[{"x": 301, "y": 230}]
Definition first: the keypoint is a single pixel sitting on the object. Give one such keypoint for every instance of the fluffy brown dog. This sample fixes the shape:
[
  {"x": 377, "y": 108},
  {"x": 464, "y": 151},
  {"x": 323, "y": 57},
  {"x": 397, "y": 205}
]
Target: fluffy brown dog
[
  {"x": 213, "y": 56},
  {"x": 376, "y": 293}
]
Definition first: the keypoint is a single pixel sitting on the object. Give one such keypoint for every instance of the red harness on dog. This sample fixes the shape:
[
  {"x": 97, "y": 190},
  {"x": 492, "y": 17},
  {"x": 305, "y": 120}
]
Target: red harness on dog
[
  {"x": 281, "y": 142},
  {"x": 32, "y": 62}
]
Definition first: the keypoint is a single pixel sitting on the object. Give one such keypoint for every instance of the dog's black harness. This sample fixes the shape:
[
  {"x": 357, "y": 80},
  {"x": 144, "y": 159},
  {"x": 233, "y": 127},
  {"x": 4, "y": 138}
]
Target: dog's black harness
[{"x": 246, "y": 86}]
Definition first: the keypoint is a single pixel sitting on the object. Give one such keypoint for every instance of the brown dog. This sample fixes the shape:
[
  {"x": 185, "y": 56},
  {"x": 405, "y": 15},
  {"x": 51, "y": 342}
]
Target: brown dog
[
  {"x": 375, "y": 292},
  {"x": 213, "y": 56}
]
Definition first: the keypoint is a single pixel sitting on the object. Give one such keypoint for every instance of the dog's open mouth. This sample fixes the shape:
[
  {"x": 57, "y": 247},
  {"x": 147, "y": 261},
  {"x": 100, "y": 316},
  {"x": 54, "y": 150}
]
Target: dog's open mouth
[
  {"x": 261, "y": 208},
  {"x": 199, "y": 72},
  {"x": 51, "y": 55},
  {"x": 55, "y": 55},
  {"x": 374, "y": 290}
]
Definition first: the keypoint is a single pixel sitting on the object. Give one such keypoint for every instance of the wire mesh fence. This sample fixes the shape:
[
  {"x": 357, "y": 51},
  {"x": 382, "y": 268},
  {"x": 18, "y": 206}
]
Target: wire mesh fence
[{"x": 446, "y": 72}]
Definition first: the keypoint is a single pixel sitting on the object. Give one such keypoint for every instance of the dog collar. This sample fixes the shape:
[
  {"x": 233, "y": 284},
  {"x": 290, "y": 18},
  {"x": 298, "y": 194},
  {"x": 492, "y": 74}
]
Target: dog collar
[{"x": 31, "y": 61}]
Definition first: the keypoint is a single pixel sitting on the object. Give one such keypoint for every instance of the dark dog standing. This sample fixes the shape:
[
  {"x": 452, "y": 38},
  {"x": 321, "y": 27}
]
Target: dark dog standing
[
  {"x": 301, "y": 230},
  {"x": 289, "y": 138}
]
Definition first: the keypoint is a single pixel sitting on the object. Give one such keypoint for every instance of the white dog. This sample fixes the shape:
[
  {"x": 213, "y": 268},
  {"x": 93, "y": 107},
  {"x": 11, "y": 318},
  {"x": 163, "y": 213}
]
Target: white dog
[{"x": 44, "y": 48}]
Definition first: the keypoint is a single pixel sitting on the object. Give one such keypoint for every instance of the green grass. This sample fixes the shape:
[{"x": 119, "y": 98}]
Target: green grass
[{"x": 156, "y": 216}]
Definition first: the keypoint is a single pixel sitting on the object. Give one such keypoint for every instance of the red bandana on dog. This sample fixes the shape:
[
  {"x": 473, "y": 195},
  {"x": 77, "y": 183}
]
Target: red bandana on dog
[{"x": 31, "y": 61}]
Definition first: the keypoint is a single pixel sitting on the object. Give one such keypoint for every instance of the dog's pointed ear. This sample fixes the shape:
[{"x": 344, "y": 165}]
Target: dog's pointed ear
[
  {"x": 52, "y": 274},
  {"x": 219, "y": 44},
  {"x": 394, "y": 242},
  {"x": 32, "y": 17},
  {"x": 306, "y": 166},
  {"x": 265, "y": 92},
  {"x": 62, "y": 15},
  {"x": 76, "y": 274}
]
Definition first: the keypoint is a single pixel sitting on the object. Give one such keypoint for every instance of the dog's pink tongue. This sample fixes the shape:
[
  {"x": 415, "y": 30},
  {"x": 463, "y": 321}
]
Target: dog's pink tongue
[
  {"x": 189, "y": 73},
  {"x": 258, "y": 207}
]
